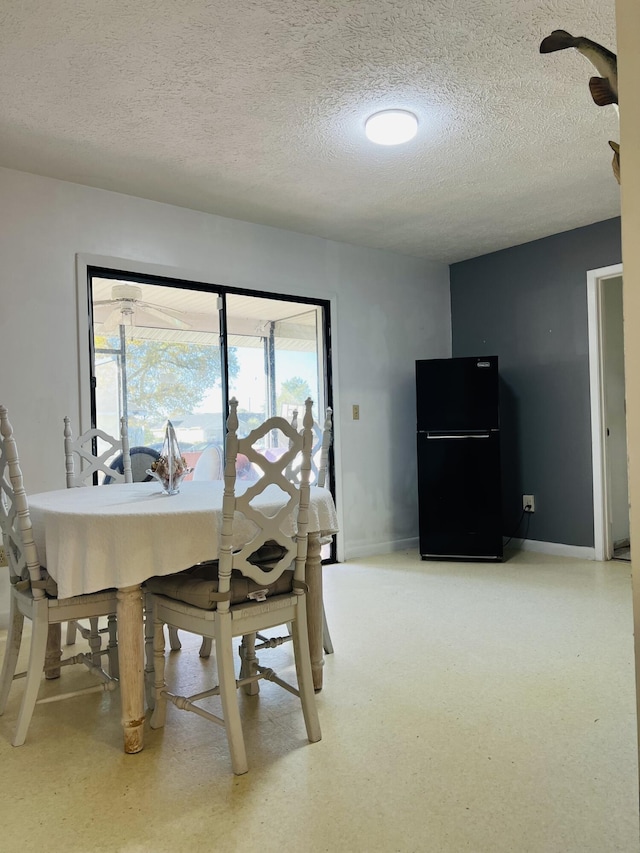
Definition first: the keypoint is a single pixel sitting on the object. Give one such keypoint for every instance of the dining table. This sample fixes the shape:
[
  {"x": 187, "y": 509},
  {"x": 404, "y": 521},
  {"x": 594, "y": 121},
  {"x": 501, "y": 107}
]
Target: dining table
[{"x": 118, "y": 536}]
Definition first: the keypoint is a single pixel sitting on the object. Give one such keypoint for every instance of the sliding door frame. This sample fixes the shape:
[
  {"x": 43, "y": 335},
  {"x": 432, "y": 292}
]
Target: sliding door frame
[{"x": 88, "y": 266}]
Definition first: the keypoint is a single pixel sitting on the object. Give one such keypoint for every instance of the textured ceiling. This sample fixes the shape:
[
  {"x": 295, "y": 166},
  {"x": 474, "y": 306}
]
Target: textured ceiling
[{"x": 255, "y": 109}]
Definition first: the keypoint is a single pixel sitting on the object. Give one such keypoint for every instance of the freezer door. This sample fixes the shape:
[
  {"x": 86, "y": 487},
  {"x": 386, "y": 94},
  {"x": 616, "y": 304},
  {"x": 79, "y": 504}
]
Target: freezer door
[
  {"x": 459, "y": 495},
  {"x": 457, "y": 394}
]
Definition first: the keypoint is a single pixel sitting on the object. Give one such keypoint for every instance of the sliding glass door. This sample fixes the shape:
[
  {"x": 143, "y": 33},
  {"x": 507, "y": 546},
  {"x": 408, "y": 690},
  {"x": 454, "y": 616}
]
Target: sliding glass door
[
  {"x": 157, "y": 356},
  {"x": 278, "y": 361},
  {"x": 173, "y": 350}
]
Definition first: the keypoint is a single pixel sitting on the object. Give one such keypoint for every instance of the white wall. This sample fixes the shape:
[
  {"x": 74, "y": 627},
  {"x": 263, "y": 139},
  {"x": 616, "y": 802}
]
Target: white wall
[
  {"x": 388, "y": 310},
  {"x": 628, "y": 26}
]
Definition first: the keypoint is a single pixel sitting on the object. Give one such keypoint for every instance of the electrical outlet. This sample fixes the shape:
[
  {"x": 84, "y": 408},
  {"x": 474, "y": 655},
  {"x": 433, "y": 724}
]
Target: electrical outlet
[
  {"x": 529, "y": 503},
  {"x": 356, "y": 412},
  {"x": 3, "y": 557}
]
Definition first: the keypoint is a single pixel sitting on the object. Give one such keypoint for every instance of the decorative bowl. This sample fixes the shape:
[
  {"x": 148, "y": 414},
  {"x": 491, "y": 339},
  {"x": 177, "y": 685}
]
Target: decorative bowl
[{"x": 169, "y": 476}]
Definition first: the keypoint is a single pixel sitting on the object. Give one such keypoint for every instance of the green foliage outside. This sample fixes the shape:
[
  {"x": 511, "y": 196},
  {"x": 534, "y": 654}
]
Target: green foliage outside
[
  {"x": 294, "y": 392},
  {"x": 167, "y": 380}
]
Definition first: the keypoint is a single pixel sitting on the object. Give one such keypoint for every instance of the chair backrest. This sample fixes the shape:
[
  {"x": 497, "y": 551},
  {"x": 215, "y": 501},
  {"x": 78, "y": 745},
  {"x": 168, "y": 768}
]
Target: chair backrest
[
  {"x": 209, "y": 465},
  {"x": 293, "y": 515},
  {"x": 320, "y": 453},
  {"x": 15, "y": 521},
  {"x": 142, "y": 458},
  {"x": 90, "y": 462},
  {"x": 326, "y": 437}
]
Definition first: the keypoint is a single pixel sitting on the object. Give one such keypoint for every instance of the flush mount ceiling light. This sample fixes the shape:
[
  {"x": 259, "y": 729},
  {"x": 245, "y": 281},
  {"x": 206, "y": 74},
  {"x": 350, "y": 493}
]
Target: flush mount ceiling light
[{"x": 391, "y": 127}]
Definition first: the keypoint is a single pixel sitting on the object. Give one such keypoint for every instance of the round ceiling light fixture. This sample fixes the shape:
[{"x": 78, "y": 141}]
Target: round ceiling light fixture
[{"x": 391, "y": 127}]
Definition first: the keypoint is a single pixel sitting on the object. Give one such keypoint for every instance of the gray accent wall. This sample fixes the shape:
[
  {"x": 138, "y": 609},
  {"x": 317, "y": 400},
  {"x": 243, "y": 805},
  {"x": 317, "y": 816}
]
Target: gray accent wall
[{"x": 528, "y": 306}]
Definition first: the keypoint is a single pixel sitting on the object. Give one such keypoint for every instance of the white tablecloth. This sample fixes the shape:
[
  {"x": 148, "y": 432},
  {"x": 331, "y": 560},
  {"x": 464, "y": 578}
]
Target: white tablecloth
[{"x": 100, "y": 537}]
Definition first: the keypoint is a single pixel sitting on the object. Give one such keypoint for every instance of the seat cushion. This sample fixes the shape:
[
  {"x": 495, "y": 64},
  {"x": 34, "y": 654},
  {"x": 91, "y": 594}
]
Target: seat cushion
[
  {"x": 198, "y": 586},
  {"x": 267, "y": 554}
]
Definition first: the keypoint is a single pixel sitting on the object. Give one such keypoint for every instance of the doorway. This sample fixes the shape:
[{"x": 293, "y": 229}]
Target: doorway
[{"x": 608, "y": 415}]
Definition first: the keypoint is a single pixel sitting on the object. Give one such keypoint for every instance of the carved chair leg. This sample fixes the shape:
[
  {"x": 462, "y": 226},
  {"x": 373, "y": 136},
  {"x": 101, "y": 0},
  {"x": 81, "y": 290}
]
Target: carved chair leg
[
  {"x": 54, "y": 652},
  {"x": 95, "y": 641},
  {"x": 205, "y": 647},
  {"x": 12, "y": 649},
  {"x": 300, "y": 636},
  {"x": 112, "y": 630},
  {"x": 149, "y": 664},
  {"x": 314, "y": 607},
  {"x": 71, "y": 633},
  {"x": 248, "y": 661},
  {"x": 326, "y": 636},
  {"x": 37, "y": 653},
  {"x": 229, "y": 696},
  {"x": 160, "y": 702},
  {"x": 174, "y": 639}
]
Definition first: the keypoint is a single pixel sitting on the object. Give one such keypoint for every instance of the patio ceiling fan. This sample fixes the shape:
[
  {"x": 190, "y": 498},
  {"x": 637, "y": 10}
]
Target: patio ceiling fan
[{"x": 126, "y": 299}]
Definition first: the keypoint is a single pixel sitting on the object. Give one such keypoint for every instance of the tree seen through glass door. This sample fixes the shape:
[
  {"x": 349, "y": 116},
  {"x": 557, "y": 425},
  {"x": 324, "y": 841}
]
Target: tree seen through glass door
[{"x": 157, "y": 356}]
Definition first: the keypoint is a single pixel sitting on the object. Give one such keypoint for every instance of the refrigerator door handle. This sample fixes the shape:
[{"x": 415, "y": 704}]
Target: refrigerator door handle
[{"x": 431, "y": 437}]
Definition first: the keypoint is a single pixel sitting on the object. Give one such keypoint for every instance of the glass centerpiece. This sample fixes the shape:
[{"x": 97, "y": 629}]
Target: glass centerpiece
[{"x": 171, "y": 467}]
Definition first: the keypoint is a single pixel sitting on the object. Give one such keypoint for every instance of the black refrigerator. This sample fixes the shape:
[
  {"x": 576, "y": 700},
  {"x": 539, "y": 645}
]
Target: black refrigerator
[{"x": 459, "y": 482}]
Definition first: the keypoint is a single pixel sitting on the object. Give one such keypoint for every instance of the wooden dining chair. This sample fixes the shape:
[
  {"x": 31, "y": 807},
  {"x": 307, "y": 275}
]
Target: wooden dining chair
[
  {"x": 33, "y": 594},
  {"x": 319, "y": 477},
  {"x": 84, "y": 463},
  {"x": 90, "y": 461},
  {"x": 209, "y": 465},
  {"x": 260, "y": 586},
  {"x": 320, "y": 454},
  {"x": 320, "y": 459},
  {"x": 142, "y": 458}
]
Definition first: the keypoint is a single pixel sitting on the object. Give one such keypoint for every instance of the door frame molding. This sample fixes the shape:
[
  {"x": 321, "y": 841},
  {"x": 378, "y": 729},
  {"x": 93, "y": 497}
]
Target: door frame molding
[{"x": 603, "y": 544}]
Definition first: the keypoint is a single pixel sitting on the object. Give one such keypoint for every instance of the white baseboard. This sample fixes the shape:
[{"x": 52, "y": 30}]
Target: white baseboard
[
  {"x": 556, "y": 549},
  {"x": 376, "y": 548}
]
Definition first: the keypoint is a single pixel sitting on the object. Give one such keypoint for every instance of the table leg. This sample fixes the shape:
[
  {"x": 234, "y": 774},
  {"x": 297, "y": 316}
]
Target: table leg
[
  {"x": 314, "y": 607},
  {"x": 131, "y": 665}
]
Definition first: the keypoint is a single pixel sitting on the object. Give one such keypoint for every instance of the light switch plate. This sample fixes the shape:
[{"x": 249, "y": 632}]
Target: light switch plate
[{"x": 356, "y": 412}]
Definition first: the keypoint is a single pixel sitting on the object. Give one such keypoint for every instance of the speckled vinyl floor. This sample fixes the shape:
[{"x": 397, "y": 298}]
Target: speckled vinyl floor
[{"x": 468, "y": 707}]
